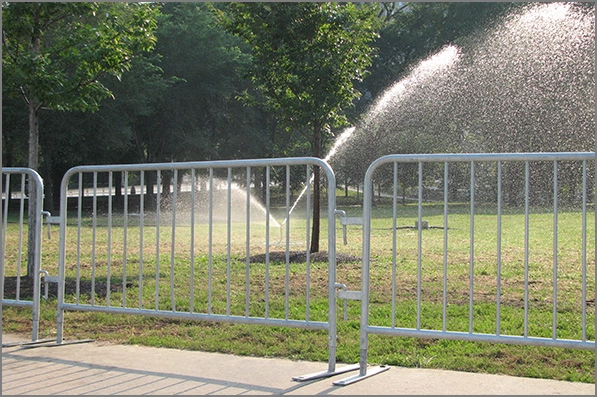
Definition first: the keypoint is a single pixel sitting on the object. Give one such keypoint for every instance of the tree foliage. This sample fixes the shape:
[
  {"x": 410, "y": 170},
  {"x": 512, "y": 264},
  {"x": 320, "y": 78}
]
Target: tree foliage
[
  {"x": 55, "y": 53},
  {"x": 199, "y": 113},
  {"x": 163, "y": 79},
  {"x": 306, "y": 58}
]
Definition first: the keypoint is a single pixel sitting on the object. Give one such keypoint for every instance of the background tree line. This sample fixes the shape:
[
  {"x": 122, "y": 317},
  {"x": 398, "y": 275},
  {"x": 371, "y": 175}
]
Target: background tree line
[{"x": 186, "y": 91}]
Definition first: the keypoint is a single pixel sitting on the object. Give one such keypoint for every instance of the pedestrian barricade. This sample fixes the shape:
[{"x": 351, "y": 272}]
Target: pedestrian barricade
[
  {"x": 492, "y": 274},
  {"x": 209, "y": 241},
  {"x": 469, "y": 247},
  {"x": 21, "y": 270}
]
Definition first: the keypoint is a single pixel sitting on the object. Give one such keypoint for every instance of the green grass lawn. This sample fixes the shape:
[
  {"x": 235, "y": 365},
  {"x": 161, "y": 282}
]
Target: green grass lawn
[{"x": 173, "y": 277}]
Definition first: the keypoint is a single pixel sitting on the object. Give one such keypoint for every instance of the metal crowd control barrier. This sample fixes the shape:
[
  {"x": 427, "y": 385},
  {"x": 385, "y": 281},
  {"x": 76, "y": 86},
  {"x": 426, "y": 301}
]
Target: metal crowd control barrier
[
  {"x": 190, "y": 241},
  {"x": 17, "y": 183},
  {"x": 490, "y": 275}
]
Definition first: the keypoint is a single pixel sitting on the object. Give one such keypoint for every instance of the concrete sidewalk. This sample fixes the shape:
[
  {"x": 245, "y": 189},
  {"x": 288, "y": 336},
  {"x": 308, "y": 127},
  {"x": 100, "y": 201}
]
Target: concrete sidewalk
[{"x": 107, "y": 369}]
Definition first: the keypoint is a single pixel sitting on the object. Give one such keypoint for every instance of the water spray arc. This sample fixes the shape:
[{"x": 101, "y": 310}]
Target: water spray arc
[
  {"x": 524, "y": 85},
  {"x": 340, "y": 140}
]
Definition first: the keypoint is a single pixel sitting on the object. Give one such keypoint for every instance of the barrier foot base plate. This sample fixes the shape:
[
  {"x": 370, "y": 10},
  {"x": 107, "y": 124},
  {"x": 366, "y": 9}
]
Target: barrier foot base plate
[
  {"x": 63, "y": 343},
  {"x": 28, "y": 343},
  {"x": 370, "y": 372},
  {"x": 325, "y": 374}
]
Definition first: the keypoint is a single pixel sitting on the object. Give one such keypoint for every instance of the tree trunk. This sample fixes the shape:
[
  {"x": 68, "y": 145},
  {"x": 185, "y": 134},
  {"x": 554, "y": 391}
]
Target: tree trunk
[
  {"x": 33, "y": 162},
  {"x": 48, "y": 182},
  {"x": 403, "y": 194},
  {"x": 150, "y": 197},
  {"x": 316, "y": 146},
  {"x": 33, "y": 205}
]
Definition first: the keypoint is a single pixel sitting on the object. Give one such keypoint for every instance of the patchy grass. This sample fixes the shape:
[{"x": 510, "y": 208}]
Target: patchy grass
[{"x": 158, "y": 275}]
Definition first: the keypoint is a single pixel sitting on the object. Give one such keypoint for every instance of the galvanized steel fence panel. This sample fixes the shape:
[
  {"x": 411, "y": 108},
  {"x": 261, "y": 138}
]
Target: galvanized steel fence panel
[
  {"x": 191, "y": 241},
  {"x": 486, "y": 261},
  {"x": 20, "y": 187}
]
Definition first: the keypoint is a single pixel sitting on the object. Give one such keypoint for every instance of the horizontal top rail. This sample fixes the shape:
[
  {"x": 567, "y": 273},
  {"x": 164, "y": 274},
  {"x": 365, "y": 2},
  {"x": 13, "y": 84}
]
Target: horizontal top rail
[
  {"x": 283, "y": 161},
  {"x": 23, "y": 170},
  {"x": 467, "y": 157}
]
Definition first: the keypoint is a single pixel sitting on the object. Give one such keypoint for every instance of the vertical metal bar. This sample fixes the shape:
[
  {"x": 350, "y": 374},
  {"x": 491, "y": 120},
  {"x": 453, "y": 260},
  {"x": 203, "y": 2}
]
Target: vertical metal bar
[
  {"x": 498, "y": 297},
  {"x": 21, "y": 222},
  {"x": 141, "y": 221},
  {"x": 472, "y": 249},
  {"x": 109, "y": 258},
  {"x": 4, "y": 230},
  {"x": 7, "y": 195},
  {"x": 366, "y": 252},
  {"x": 445, "y": 285},
  {"x": 287, "y": 280},
  {"x": 62, "y": 253},
  {"x": 526, "y": 249},
  {"x": 125, "y": 217},
  {"x": 94, "y": 238},
  {"x": 37, "y": 256},
  {"x": 307, "y": 242},
  {"x": 394, "y": 232},
  {"x": 192, "y": 247},
  {"x": 79, "y": 225},
  {"x": 228, "y": 237},
  {"x": 584, "y": 251},
  {"x": 173, "y": 240},
  {"x": 248, "y": 244},
  {"x": 419, "y": 244},
  {"x": 157, "y": 237},
  {"x": 210, "y": 240},
  {"x": 555, "y": 250},
  {"x": 267, "y": 198},
  {"x": 332, "y": 316}
]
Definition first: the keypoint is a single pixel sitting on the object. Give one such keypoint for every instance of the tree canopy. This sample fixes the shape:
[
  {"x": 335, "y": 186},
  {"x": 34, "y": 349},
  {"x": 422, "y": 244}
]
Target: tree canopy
[
  {"x": 306, "y": 56},
  {"x": 163, "y": 80},
  {"x": 306, "y": 59},
  {"x": 179, "y": 100},
  {"x": 55, "y": 53}
]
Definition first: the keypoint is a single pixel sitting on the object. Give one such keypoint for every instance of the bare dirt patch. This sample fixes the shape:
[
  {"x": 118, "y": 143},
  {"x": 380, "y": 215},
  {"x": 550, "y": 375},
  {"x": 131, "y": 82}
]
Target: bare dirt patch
[
  {"x": 100, "y": 287},
  {"x": 301, "y": 257},
  {"x": 25, "y": 290}
]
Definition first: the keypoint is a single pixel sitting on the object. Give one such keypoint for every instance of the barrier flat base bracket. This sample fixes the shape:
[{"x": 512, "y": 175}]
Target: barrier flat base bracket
[
  {"x": 53, "y": 344},
  {"x": 28, "y": 343},
  {"x": 370, "y": 372},
  {"x": 325, "y": 374}
]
